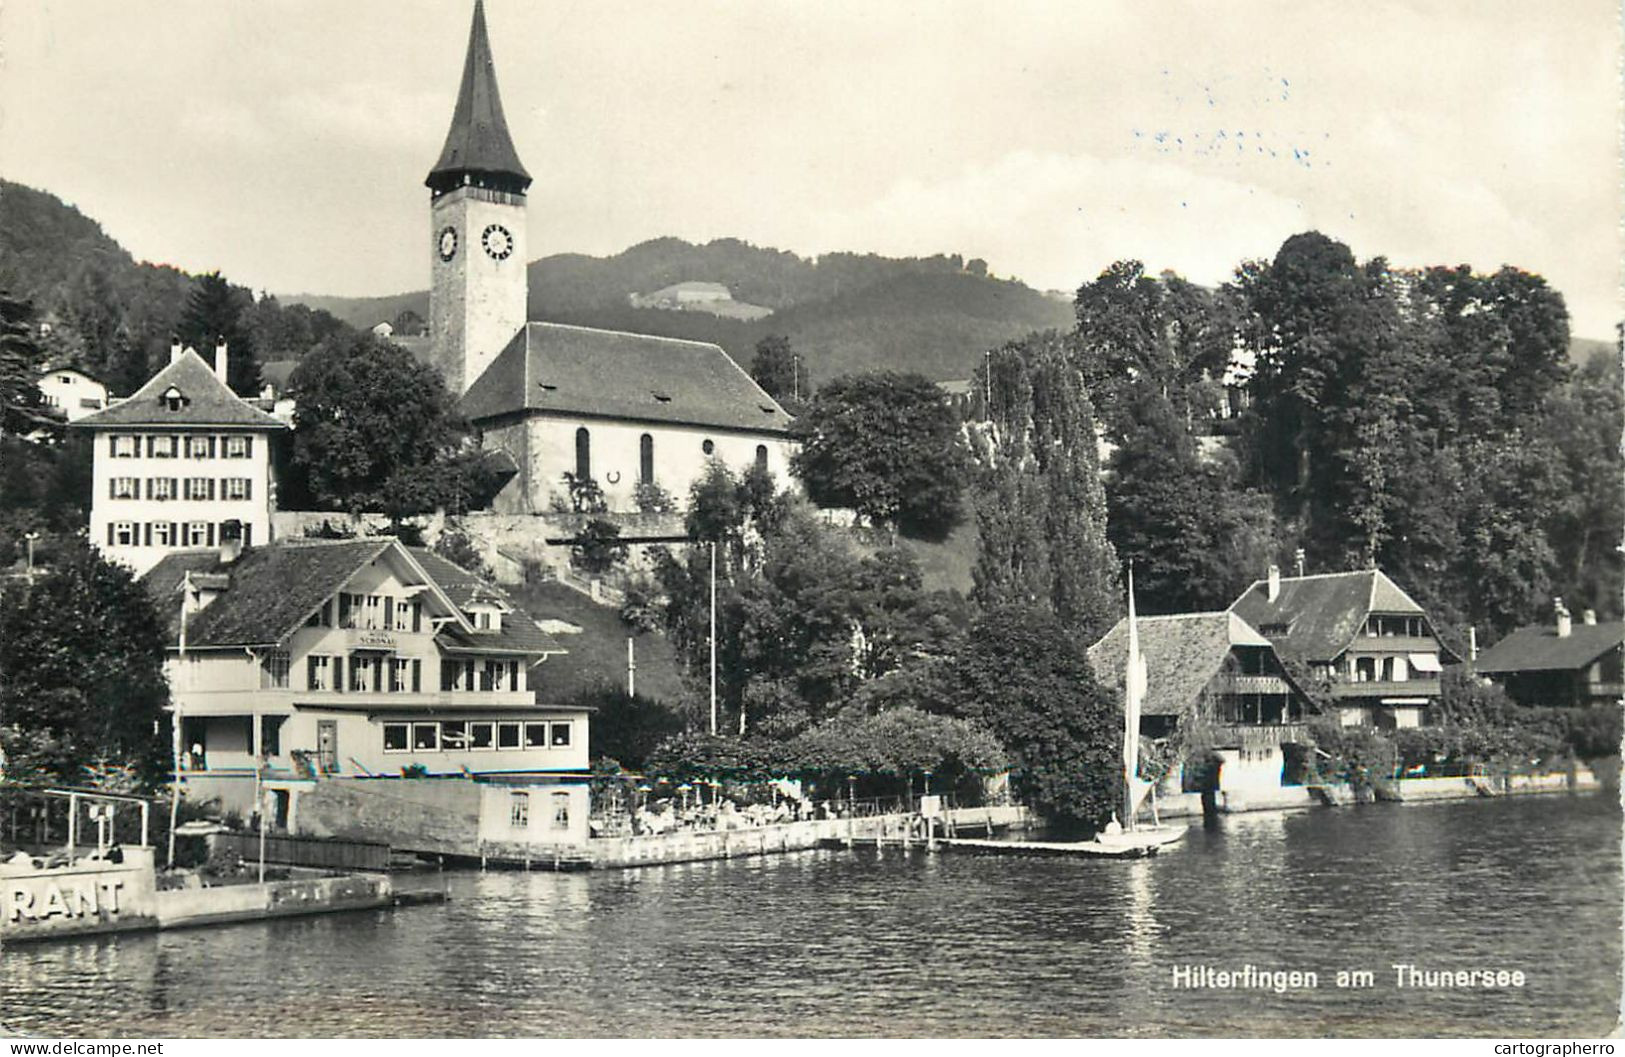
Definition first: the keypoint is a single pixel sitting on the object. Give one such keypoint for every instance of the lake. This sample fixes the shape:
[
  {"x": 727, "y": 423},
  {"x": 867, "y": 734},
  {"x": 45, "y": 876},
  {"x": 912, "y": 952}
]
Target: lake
[{"x": 855, "y": 943}]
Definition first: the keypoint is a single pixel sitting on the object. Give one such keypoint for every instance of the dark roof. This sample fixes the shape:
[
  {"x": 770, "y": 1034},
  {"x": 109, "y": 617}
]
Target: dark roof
[
  {"x": 273, "y": 589},
  {"x": 1182, "y": 652},
  {"x": 1322, "y": 614},
  {"x": 478, "y": 143},
  {"x": 551, "y": 367},
  {"x": 519, "y": 634},
  {"x": 268, "y": 592},
  {"x": 206, "y": 402},
  {"x": 1538, "y": 649}
]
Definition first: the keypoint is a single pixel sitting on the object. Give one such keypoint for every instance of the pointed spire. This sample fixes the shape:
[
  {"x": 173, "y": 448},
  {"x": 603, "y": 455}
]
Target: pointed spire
[{"x": 478, "y": 148}]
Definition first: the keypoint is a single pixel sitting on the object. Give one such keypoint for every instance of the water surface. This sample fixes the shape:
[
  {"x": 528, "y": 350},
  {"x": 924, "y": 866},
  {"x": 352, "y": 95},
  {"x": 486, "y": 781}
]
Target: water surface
[{"x": 854, "y": 943}]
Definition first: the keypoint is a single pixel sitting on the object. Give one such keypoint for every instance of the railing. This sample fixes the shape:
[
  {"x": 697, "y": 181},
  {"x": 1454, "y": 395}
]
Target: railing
[
  {"x": 1387, "y": 688},
  {"x": 1393, "y": 644},
  {"x": 1250, "y": 735},
  {"x": 1253, "y": 684}
]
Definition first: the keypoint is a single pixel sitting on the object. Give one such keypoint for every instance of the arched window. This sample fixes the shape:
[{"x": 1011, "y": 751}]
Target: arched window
[
  {"x": 583, "y": 454},
  {"x": 761, "y": 457},
  {"x": 646, "y": 459}
]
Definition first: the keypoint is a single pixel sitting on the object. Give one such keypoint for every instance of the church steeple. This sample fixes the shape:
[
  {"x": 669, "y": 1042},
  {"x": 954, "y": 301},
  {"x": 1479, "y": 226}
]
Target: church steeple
[{"x": 478, "y": 150}]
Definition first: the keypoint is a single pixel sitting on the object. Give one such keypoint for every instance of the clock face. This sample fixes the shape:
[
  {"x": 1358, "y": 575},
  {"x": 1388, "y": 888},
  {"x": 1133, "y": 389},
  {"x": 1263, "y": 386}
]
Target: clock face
[
  {"x": 498, "y": 243},
  {"x": 448, "y": 243}
]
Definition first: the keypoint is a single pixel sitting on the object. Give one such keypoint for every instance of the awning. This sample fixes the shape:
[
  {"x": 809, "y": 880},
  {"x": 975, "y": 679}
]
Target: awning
[{"x": 1425, "y": 662}]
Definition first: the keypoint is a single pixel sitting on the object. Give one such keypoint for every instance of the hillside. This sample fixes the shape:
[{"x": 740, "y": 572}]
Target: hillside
[{"x": 843, "y": 311}]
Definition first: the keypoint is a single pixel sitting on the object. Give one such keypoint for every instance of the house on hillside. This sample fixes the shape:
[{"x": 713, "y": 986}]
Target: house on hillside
[
  {"x": 185, "y": 462},
  {"x": 314, "y": 660},
  {"x": 1562, "y": 663},
  {"x": 70, "y": 392},
  {"x": 1361, "y": 632},
  {"x": 621, "y": 409},
  {"x": 1215, "y": 678}
]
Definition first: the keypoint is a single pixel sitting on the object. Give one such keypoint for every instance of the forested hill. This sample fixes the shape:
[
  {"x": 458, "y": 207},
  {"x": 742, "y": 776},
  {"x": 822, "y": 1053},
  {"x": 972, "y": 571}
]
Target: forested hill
[
  {"x": 843, "y": 311},
  {"x": 113, "y": 316}
]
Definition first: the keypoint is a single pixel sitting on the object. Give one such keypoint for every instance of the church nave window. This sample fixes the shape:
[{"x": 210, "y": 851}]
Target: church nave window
[
  {"x": 646, "y": 459},
  {"x": 583, "y": 454}
]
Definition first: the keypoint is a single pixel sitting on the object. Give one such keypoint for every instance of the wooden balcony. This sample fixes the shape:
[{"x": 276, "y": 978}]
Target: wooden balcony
[
  {"x": 1387, "y": 688},
  {"x": 1254, "y": 735},
  {"x": 1252, "y": 684},
  {"x": 1393, "y": 644}
]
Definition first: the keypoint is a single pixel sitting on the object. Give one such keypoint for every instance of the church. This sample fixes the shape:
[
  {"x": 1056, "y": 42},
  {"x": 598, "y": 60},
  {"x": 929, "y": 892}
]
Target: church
[{"x": 621, "y": 409}]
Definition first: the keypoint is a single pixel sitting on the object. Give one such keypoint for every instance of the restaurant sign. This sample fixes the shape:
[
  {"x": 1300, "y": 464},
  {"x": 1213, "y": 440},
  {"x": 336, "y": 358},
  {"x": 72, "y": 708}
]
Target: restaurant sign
[
  {"x": 372, "y": 640},
  {"x": 87, "y": 897}
]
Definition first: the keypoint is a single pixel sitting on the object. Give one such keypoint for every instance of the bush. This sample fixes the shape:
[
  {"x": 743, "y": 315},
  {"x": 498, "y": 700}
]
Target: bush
[
  {"x": 1356, "y": 754},
  {"x": 597, "y": 547},
  {"x": 457, "y": 547},
  {"x": 653, "y": 499}
]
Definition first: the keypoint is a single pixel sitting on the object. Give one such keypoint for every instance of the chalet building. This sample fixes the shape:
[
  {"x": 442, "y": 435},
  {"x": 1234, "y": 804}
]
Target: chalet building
[
  {"x": 1359, "y": 631},
  {"x": 312, "y": 660},
  {"x": 71, "y": 393},
  {"x": 1214, "y": 676},
  {"x": 1562, "y": 663},
  {"x": 622, "y": 409},
  {"x": 183, "y": 463}
]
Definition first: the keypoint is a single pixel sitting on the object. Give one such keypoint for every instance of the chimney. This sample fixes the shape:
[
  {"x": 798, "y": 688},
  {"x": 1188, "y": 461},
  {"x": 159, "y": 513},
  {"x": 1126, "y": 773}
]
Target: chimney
[
  {"x": 231, "y": 541},
  {"x": 1275, "y": 582},
  {"x": 174, "y": 348},
  {"x": 1589, "y": 617},
  {"x": 220, "y": 359},
  {"x": 1298, "y": 561},
  {"x": 1565, "y": 626}
]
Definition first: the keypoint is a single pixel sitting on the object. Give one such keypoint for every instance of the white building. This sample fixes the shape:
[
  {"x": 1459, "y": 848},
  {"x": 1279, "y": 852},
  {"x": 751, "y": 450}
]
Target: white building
[
  {"x": 71, "y": 392},
  {"x": 620, "y": 408},
  {"x": 183, "y": 463},
  {"x": 313, "y": 660}
]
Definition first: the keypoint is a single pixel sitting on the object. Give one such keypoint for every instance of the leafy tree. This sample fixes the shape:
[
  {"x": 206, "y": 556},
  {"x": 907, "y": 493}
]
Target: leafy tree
[
  {"x": 1194, "y": 539},
  {"x": 459, "y": 548},
  {"x": 627, "y": 729},
  {"x": 21, "y": 406},
  {"x": 598, "y": 547},
  {"x": 81, "y": 669},
  {"x": 374, "y": 429},
  {"x": 214, "y": 312},
  {"x": 1025, "y": 678},
  {"x": 885, "y": 445}
]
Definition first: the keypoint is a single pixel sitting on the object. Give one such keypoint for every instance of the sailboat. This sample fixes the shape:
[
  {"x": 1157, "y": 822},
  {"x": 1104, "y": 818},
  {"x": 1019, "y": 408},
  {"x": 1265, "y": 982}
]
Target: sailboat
[{"x": 1130, "y": 837}]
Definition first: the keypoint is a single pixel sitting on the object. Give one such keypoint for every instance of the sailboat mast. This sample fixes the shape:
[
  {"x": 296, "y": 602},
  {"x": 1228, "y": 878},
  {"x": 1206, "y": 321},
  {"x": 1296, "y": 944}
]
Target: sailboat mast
[{"x": 1133, "y": 692}]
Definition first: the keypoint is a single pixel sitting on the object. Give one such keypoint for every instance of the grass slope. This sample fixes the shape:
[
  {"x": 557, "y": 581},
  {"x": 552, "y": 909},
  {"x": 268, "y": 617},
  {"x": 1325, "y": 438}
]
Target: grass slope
[{"x": 597, "y": 656}]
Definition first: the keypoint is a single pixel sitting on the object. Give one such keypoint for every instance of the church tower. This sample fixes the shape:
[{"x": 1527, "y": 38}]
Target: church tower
[{"x": 477, "y": 212}]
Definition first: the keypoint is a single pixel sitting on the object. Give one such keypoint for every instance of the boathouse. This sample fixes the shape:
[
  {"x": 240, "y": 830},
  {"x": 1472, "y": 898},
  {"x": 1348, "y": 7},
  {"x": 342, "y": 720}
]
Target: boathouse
[{"x": 1214, "y": 678}]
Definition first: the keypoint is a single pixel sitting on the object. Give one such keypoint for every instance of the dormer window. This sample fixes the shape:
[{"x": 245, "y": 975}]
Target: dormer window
[
  {"x": 173, "y": 399},
  {"x": 485, "y": 617}
]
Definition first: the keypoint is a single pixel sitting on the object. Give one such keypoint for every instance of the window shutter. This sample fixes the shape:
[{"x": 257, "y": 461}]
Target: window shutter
[
  {"x": 109, "y": 533},
  {"x": 211, "y": 489},
  {"x": 211, "y": 447},
  {"x": 174, "y": 487},
  {"x": 310, "y": 673},
  {"x": 146, "y": 534},
  {"x": 248, "y": 488},
  {"x": 389, "y": 613},
  {"x": 112, "y": 445},
  {"x": 468, "y": 673},
  {"x": 248, "y": 446},
  {"x": 112, "y": 488},
  {"x": 150, "y": 445},
  {"x": 417, "y": 615},
  {"x": 248, "y": 534},
  {"x": 338, "y": 674},
  {"x": 417, "y": 675},
  {"x": 210, "y": 535},
  {"x": 513, "y": 675}
]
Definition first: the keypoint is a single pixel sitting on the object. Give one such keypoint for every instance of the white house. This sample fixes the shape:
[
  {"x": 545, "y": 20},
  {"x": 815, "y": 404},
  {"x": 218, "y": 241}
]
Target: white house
[
  {"x": 310, "y": 660},
  {"x": 71, "y": 392},
  {"x": 185, "y": 462}
]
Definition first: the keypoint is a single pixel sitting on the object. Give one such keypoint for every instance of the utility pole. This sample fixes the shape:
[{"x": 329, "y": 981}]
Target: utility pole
[
  {"x": 713, "y": 637},
  {"x": 631, "y": 668}
]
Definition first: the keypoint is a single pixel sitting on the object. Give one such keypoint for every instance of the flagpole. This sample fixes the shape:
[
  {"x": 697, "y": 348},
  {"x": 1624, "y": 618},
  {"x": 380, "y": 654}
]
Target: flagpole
[
  {"x": 175, "y": 724},
  {"x": 713, "y": 637}
]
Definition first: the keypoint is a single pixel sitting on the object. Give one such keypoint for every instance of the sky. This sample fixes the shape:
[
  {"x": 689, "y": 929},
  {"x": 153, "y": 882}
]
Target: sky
[{"x": 285, "y": 142}]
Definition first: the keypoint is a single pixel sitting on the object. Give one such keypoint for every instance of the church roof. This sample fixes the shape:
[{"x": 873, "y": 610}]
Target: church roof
[
  {"x": 205, "y": 401},
  {"x": 478, "y": 144},
  {"x": 552, "y": 367}
]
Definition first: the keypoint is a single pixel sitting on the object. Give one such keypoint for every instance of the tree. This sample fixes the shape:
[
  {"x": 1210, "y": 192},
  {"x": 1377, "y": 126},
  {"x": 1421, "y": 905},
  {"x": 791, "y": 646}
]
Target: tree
[
  {"x": 374, "y": 429},
  {"x": 21, "y": 406},
  {"x": 885, "y": 445},
  {"x": 215, "y": 312},
  {"x": 777, "y": 369},
  {"x": 1040, "y": 508},
  {"x": 1194, "y": 539},
  {"x": 81, "y": 669},
  {"x": 1026, "y": 679}
]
